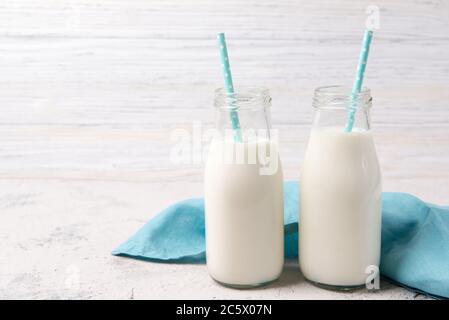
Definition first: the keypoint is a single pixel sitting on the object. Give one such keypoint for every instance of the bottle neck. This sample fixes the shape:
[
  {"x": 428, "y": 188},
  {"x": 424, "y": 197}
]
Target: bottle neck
[
  {"x": 339, "y": 117},
  {"x": 333, "y": 106},
  {"x": 245, "y": 115}
]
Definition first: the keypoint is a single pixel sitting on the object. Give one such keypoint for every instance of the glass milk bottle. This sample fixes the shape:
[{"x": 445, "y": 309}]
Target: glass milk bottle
[
  {"x": 340, "y": 197},
  {"x": 244, "y": 193}
]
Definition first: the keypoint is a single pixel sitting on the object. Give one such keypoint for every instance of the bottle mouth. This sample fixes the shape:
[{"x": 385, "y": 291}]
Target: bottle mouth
[
  {"x": 340, "y": 97},
  {"x": 243, "y": 98}
]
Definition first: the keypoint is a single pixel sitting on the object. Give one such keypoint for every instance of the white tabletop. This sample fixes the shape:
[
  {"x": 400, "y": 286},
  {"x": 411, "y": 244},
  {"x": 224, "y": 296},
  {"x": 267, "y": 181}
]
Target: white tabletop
[{"x": 91, "y": 91}]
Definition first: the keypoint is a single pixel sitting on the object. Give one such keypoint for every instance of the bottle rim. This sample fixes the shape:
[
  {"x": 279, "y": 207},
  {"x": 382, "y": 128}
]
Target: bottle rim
[
  {"x": 245, "y": 97},
  {"x": 340, "y": 97}
]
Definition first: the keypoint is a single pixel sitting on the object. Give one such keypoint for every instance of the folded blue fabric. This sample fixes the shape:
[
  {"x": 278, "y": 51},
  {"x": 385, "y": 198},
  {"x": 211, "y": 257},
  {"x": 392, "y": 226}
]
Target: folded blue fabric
[{"x": 415, "y": 238}]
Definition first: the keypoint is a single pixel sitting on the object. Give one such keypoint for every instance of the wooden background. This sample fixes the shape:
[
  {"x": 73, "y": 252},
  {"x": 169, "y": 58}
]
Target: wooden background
[{"x": 91, "y": 91}]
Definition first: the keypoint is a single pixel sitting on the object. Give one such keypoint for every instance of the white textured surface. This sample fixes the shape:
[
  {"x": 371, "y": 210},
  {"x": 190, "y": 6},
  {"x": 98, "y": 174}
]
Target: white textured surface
[{"x": 90, "y": 91}]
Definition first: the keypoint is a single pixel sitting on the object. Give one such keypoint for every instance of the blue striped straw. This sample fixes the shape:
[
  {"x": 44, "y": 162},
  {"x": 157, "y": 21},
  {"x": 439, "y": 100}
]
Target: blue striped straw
[
  {"x": 357, "y": 86},
  {"x": 229, "y": 87}
]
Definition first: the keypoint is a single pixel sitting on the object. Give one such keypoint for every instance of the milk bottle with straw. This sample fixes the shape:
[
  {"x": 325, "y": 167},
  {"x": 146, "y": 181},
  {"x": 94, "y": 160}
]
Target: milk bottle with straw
[
  {"x": 340, "y": 211},
  {"x": 243, "y": 188}
]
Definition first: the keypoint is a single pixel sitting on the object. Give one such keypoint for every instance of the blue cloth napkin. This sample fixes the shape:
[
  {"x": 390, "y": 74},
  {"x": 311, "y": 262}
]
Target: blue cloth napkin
[{"x": 415, "y": 239}]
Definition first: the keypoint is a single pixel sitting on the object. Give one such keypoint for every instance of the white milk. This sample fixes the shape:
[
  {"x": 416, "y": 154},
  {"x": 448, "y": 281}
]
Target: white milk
[
  {"x": 340, "y": 217},
  {"x": 244, "y": 216}
]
